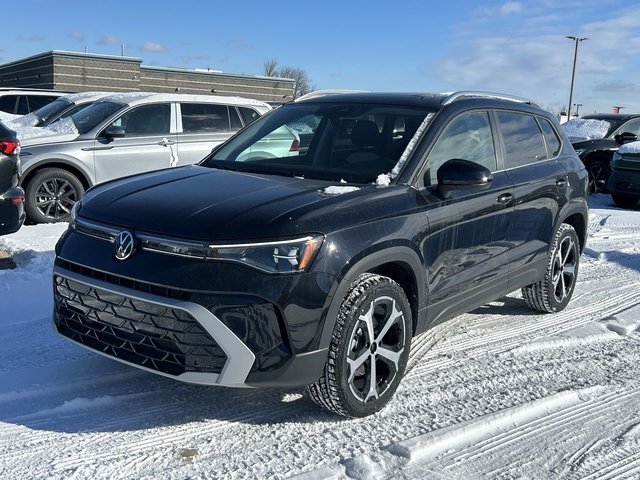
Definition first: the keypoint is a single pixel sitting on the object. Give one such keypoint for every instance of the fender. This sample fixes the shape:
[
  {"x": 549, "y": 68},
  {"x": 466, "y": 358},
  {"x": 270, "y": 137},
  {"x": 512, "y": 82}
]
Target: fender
[
  {"x": 369, "y": 261},
  {"x": 59, "y": 160},
  {"x": 576, "y": 206}
]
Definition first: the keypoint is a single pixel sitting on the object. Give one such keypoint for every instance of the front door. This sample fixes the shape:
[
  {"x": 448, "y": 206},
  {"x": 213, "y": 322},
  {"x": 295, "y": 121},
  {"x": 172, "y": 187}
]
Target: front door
[{"x": 147, "y": 145}]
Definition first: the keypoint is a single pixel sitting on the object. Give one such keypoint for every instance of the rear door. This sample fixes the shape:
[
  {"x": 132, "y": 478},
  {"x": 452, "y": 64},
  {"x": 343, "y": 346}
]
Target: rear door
[
  {"x": 148, "y": 143},
  {"x": 540, "y": 190},
  {"x": 202, "y": 127}
]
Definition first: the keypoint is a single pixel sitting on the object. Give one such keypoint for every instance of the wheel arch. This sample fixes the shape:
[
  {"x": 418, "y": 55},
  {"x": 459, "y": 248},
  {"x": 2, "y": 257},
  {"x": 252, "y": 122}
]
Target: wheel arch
[
  {"x": 78, "y": 172},
  {"x": 400, "y": 263},
  {"x": 577, "y": 216}
]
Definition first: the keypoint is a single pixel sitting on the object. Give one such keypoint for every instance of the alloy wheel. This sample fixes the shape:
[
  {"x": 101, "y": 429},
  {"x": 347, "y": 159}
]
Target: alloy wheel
[
  {"x": 564, "y": 269},
  {"x": 375, "y": 348},
  {"x": 55, "y": 197}
]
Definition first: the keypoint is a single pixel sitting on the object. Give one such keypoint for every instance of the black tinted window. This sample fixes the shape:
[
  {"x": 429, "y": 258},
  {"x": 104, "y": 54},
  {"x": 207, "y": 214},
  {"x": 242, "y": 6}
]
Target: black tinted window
[
  {"x": 550, "y": 135},
  {"x": 39, "y": 101},
  {"x": 522, "y": 139},
  {"x": 248, "y": 114},
  {"x": 8, "y": 103},
  {"x": 146, "y": 120},
  {"x": 204, "y": 117},
  {"x": 236, "y": 124},
  {"x": 467, "y": 137},
  {"x": 23, "y": 106}
]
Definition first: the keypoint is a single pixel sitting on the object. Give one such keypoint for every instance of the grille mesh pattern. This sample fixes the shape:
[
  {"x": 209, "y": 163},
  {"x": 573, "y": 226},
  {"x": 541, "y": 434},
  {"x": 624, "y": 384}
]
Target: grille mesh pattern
[{"x": 165, "y": 339}]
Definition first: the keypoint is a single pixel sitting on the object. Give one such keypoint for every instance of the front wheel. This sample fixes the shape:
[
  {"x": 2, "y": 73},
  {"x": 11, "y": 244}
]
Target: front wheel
[
  {"x": 51, "y": 194},
  {"x": 369, "y": 349},
  {"x": 554, "y": 292}
]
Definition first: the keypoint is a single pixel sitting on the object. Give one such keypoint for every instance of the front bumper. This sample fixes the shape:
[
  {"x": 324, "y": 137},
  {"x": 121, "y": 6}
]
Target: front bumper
[
  {"x": 200, "y": 322},
  {"x": 624, "y": 181}
]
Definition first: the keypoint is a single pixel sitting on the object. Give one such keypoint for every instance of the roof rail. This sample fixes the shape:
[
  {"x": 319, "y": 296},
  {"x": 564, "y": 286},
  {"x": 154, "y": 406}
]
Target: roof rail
[
  {"x": 454, "y": 97},
  {"x": 322, "y": 93}
]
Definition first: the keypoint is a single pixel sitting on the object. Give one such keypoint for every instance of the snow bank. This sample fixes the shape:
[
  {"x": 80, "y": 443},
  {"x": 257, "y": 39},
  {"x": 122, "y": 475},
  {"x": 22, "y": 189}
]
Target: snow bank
[
  {"x": 633, "y": 148},
  {"x": 585, "y": 129}
]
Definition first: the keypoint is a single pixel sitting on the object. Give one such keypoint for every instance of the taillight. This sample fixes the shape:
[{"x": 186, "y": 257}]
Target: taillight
[
  {"x": 9, "y": 147},
  {"x": 17, "y": 200},
  {"x": 295, "y": 145}
]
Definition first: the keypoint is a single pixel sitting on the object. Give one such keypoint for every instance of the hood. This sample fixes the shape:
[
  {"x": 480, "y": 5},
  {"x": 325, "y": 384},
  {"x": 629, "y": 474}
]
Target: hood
[{"x": 207, "y": 204}]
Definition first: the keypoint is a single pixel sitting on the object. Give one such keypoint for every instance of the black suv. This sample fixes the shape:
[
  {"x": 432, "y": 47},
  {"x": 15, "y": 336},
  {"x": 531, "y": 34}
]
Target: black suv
[
  {"x": 317, "y": 266},
  {"x": 11, "y": 195},
  {"x": 596, "y": 153}
]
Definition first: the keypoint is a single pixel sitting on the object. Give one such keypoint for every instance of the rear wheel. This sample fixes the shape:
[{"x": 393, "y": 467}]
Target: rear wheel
[
  {"x": 51, "y": 194},
  {"x": 598, "y": 176},
  {"x": 625, "y": 201},
  {"x": 369, "y": 349},
  {"x": 554, "y": 292}
]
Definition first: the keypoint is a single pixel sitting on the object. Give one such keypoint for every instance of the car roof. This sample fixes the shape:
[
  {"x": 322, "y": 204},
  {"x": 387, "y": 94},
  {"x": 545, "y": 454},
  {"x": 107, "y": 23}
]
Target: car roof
[
  {"x": 429, "y": 100},
  {"x": 611, "y": 117},
  {"x": 135, "y": 98}
]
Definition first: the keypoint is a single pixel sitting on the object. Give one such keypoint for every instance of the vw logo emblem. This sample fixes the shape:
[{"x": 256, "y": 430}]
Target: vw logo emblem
[{"x": 124, "y": 245}]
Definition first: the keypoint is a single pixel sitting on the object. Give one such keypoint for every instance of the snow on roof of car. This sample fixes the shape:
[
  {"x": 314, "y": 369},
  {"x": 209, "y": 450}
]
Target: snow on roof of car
[
  {"x": 633, "y": 148},
  {"x": 88, "y": 96},
  {"x": 585, "y": 129},
  {"x": 132, "y": 98}
]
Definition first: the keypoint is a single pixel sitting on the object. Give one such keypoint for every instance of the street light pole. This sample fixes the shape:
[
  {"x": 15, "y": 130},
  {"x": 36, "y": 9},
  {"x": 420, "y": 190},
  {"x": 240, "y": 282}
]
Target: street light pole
[
  {"x": 578, "y": 105},
  {"x": 573, "y": 74}
]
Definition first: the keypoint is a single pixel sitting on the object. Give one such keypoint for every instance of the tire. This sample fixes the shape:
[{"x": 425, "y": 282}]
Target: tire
[
  {"x": 554, "y": 292},
  {"x": 624, "y": 201},
  {"x": 51, "y": 194},
  {"x": 598, "y": 175},
  {"x": 376, "y": 303}
]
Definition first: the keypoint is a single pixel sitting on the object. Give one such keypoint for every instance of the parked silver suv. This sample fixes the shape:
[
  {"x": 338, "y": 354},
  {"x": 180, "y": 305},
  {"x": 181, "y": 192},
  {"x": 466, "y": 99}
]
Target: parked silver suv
[{"x": 125, "y": 134}]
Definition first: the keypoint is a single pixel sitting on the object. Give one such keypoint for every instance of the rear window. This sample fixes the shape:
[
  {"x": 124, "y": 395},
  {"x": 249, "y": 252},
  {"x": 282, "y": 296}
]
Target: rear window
[
  {"x": 551, "y": 137},
  {"x": 204, "y": 118},
  {"x": 248, "y": 115},
  {"x": 522, "y": 139}
]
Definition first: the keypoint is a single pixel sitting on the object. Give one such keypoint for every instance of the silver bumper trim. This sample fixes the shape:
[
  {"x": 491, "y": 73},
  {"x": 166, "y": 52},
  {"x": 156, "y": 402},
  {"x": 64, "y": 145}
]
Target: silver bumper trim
[{"x": 239, "y": 357}]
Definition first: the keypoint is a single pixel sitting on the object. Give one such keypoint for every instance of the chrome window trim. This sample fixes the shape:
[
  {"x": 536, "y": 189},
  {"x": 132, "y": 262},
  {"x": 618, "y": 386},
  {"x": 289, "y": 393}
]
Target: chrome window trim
[{"x": 240, "y": 358}]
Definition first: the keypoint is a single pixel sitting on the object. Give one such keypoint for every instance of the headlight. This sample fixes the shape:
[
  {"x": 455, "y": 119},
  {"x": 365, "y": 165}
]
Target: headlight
[{"x": 276, "y": 257}]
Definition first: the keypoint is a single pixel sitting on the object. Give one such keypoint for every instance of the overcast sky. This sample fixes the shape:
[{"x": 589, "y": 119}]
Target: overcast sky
[{"x": 516, "y": 47}]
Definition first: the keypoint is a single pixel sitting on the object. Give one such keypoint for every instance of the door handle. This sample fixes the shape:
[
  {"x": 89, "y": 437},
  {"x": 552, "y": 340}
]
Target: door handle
[
  {"x": 561, "y": 182},
  {"x": 505, "y": 198},
  {"x": 164, "y": 142}
]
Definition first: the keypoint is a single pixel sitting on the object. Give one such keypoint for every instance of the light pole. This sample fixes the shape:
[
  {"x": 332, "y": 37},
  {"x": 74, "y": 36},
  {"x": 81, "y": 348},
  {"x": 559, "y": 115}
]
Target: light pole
[
  {"x": 573, "y": 75},
  {"x": 577, "y": 105}
]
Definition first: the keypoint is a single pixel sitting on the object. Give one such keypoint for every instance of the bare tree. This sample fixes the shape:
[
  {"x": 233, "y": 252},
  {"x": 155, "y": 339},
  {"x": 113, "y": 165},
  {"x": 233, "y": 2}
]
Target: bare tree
[
  {"x": 302, "y": 85},
  {"x": 270, "y": 68}
]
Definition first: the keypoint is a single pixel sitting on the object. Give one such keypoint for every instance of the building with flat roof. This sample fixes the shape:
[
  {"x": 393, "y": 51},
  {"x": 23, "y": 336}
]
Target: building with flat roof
[{"x": 83, "y": 72}]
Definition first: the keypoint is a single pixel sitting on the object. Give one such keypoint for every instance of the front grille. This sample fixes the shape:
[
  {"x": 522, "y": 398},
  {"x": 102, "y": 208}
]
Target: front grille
[{"x": 155, "y": 336}]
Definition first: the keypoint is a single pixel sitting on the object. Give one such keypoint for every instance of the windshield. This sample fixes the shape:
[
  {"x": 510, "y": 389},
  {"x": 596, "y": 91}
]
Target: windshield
[
  {"x": 50, "y": 110},
  {"x": 339, "y": 142},
  {"x": 87, "y": 118}
]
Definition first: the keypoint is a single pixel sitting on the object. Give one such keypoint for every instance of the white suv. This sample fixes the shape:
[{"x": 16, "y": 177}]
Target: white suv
[
  {"x": 15, "y": 102},
  {"x": 120, "y": 135}
]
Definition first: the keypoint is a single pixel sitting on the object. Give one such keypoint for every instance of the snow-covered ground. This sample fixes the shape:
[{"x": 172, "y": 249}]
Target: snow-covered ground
[{"x": 498, "y": 393}]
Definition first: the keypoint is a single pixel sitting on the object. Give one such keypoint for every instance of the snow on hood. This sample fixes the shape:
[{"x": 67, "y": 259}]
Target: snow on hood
[
  {"x": 28, "y": 120},
  {"x": 339, "y": 190},
  {"x": 585, "y": 129},
  {"x": 53, "y": 133},
  {"x": 632, "y": 148}
]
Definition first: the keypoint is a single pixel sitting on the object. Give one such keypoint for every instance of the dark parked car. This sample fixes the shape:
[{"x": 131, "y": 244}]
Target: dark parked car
[
  {"x": 11, "y": 195},
  {"x": 624, "y": 182},
  {"x": 398, "y": 211},
  {"x": 597, "y": 147}
]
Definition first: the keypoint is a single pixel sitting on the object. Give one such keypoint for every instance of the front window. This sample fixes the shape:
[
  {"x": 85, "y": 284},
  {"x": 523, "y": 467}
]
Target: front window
[
  {"x": 350, "y": 142},
  {"x": 632, "y": 126}
]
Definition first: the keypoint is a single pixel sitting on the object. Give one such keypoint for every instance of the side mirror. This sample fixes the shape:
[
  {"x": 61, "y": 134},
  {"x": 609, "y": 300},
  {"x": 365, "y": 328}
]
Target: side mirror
[
  {"x": 625, "y": 137},
  {"x": 113, "y": 132},
  {"x": 458, "y": 174}
]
